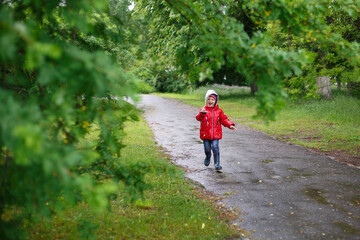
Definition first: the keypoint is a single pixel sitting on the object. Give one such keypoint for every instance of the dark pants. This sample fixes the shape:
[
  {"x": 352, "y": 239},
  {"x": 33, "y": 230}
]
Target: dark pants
[{"x": 214, "y": 146}]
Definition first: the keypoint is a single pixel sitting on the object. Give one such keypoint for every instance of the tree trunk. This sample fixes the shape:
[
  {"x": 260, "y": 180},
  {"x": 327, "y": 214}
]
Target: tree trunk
[
  {"x": 289, "y": 40},
  {"x": 338, "y": 82},
  {"x": 323, "y": 83},
  {"x": 253, "y": 87},
  {"x": 3, "y": 76}
]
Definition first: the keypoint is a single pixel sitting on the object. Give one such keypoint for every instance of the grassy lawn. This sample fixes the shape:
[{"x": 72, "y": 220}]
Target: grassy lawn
[
  {"x": 172, "y": 209},
  {"x": 329, "y": 126}
]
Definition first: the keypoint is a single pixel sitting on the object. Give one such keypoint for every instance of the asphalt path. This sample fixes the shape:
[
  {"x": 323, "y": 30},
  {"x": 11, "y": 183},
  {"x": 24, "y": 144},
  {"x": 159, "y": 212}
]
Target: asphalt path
[{"x": 282, "y": 191}]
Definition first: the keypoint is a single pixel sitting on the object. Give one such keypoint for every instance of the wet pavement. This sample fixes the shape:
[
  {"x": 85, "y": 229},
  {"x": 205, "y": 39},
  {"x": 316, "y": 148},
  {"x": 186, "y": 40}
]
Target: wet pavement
[{"x": 283, "y": 191}]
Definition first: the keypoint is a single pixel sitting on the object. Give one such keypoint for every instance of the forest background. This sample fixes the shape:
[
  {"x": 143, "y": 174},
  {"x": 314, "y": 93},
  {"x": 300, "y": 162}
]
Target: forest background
[{"x": 68, "y": 68}]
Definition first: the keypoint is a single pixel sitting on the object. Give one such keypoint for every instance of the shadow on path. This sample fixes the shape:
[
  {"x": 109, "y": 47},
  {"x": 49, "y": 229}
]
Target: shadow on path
[{"x": 283, "y": 191}]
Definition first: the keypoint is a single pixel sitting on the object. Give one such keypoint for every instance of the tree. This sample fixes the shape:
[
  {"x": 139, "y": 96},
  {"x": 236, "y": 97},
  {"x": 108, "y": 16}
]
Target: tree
[
  {"x": 333, "y": 41},
  {"x": 62, "y": 63},
  {"x": 206, "y": 35},
  {"x": 207, "y": 38}
]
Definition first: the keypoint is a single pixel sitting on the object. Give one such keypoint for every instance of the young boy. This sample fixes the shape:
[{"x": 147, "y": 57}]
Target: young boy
[{"x": 211, "y": 118}]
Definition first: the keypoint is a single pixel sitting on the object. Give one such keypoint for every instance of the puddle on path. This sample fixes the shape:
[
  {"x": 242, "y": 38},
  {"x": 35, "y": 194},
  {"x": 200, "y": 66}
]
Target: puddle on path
[
  {"x": 356, "y": 200},
  {"x": 316, "y": 194},
  {"x": 267, "y": 161},
  {"x": 346, "y": 228}
]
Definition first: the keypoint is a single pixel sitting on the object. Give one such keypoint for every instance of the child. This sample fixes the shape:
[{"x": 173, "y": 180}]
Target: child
[{"x": 211, "y": 118}]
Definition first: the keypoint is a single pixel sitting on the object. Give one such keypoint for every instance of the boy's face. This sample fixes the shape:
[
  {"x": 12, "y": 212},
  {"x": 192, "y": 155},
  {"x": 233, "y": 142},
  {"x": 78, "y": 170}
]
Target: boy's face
[{"x": 211, "y": 102}]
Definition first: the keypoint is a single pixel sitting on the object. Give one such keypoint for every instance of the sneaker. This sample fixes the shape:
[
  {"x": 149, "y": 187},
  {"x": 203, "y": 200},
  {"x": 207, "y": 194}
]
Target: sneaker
[{"x": 218, "y": 168}]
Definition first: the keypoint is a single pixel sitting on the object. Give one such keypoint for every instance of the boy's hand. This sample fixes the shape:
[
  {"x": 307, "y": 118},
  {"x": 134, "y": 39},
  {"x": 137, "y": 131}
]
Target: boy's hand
[
  {"x": 232, "y": 127},
  {"x": 203, "y": 110}
]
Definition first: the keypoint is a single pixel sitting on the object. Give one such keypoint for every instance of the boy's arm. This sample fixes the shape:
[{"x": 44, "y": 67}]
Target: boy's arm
[
  {"x": 201, "y": 115},
  {"x": 225, "y": 121}
]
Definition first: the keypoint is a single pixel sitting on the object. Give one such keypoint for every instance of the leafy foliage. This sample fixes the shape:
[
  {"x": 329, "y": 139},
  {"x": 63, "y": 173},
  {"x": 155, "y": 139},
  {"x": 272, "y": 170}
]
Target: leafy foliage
[
  {"x": 262, "y": 41},
  {"x": 60, "y": 72},
  {"x": 333, "y": 39},
  {"x": 163, "y": 79}
]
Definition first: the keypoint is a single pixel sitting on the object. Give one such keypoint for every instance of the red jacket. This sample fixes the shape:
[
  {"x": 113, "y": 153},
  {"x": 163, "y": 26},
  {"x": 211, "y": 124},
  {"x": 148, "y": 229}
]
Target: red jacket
[{"x": 210, "y": 127}]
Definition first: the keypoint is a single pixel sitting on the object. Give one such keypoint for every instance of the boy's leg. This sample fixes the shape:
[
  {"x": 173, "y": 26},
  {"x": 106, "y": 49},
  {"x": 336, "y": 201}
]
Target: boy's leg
[
  {"x": 216, "y": 151},
  {"x": 207, "y": 148}
]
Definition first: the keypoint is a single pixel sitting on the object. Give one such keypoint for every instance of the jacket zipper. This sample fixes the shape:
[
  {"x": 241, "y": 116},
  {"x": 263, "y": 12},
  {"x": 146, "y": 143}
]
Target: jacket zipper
[{"x": 212, "y": 124}]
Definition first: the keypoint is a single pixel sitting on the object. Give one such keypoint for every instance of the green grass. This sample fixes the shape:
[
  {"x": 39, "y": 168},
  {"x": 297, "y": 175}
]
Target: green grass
[
  {"x": 325, "y": 125},
  {"x": 171, "y": 210}
]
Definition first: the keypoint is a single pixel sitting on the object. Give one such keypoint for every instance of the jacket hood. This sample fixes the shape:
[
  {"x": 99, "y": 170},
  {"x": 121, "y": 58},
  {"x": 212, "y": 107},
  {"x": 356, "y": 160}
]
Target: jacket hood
[{"x": 210, "y": 92}]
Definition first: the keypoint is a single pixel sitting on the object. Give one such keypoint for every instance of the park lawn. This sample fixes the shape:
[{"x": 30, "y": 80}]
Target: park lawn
[
  {"x": 329, "y": 126},
  {"x": 173, "y": 209}
]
